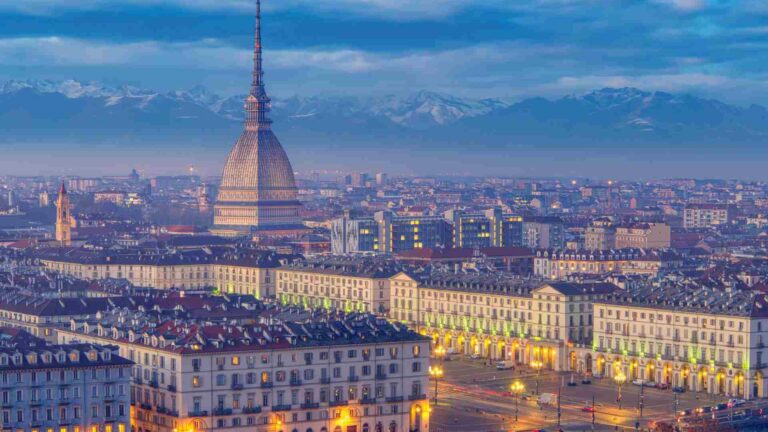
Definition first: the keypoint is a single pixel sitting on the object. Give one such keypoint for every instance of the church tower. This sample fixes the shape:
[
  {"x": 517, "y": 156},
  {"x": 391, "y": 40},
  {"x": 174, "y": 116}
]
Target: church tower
[
  {"x": 63, "y": 218},
  {"x": 258, "y": 191}
]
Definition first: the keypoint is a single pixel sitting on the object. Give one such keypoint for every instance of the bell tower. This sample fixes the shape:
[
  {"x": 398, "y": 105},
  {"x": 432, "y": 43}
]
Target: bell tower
[{"x": 63, "y": 218}]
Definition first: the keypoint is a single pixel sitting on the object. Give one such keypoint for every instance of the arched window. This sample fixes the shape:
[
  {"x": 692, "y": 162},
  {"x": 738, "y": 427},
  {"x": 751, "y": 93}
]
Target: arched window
[
  {"x": 393, "y": 427},
  {"x": 310, "y": 430},
  {"x": 295, "y": 430},
  {"x": 366, "y": 428},
  {"x": 337, "y": 429},
  {"x": 379, "y": 427}
]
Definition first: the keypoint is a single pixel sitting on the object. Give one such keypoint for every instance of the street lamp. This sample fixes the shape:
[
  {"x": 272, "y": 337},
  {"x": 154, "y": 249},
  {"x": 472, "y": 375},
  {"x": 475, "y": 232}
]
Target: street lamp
[
  {"x": 620, "y": 379},
  {"x": 436, "y": 372},
  {"x": 439, "y": 352},
  {"x": 536, "y": 364},
  {"x": 517, "y": 389}
]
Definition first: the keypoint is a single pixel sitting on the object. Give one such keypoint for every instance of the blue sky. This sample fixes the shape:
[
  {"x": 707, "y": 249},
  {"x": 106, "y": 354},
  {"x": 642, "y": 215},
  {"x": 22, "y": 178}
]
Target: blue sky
[{"x": 481, "y": 48}]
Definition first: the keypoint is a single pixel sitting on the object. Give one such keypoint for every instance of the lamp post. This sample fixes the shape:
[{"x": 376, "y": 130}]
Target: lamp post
[
  {"x": 440, "y": 353},
  {"x": 620, "y": 379},
  {"x": 517, "y": 389},
  {"x": 536, "y": 364},
  {"x": 436, "y": 372}
]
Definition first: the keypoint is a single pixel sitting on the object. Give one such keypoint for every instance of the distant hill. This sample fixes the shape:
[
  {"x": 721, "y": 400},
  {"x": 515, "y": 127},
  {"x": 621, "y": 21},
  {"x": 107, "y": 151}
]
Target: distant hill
[{"x": 618, "y": 123}]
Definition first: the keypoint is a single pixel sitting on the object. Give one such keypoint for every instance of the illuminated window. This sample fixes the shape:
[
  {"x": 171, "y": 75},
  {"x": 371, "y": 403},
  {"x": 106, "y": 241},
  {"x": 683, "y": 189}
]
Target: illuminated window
[
  {"x": 196, "y": 381},
  {"x": 235, "y": 360}
]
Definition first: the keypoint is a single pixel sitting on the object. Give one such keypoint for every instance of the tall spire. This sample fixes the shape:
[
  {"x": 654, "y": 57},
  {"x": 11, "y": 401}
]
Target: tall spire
[{"x": 257, "y": 103}]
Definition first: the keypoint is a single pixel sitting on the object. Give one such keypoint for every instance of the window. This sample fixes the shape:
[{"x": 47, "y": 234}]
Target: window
[{"x": 196, "y": 381}]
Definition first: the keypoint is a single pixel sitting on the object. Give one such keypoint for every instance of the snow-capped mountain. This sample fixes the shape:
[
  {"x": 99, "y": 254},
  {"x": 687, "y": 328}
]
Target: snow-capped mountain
[{"x": 610, "y": 119}]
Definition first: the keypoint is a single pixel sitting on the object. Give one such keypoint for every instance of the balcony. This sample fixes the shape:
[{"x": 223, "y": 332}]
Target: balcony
[
  {"x": 381, "y": 376},
  {"x": 310, "y": 405},
  {"x": 417, "y": 397},
  {"x": 171, "y": 388},
  {"x": 325, "y": 380},
  {"x": 138, "y": 381},
  {"x": 146, "y": 406},
  {"x": 162, "y": 410},
  {"x": 237, "y": 386},
  {"x": 354, "y": 378},
  {"x": 35, "y": 402},
  {"x": 222, "y": 411},
  {"x": 367, "y": 401},
  {"x": 283, "y": 407},
  {"x": 267, "y": 384},
  {"x": 295, "y": 382},
  {"x": 252, "y": 410},
  {"x": 393, "y": 399},
  {"x": 198, "y": 414},
  {"x": 338, "y": 403},
  {"x": 154, "y": 384}
]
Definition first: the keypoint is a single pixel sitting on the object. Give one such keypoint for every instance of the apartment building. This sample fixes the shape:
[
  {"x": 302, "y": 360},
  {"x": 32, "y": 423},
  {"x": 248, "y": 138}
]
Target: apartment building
[
  {"x": 349, "y": 284},
  {"x": 643, "y": 235},
  {"x": 293, "y": 370},
  {"x": 543, "y": 232},
  {"x": 66, "y": 388},
  {"x": 560, "y": 264},
  {"x": 228, "y": 270},
  {"x": 702, "y": 339},
  {"x": 499, "y": 318},
  {"x": 706, "y": 215}
]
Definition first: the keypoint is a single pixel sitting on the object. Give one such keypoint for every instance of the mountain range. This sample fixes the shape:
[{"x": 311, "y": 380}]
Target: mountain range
[{"x": 409, "y": 132}]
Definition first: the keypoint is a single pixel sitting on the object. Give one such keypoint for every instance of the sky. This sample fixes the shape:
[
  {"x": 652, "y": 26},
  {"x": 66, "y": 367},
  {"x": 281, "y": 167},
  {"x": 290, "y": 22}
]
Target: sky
[{"x": 470, "y": 48}]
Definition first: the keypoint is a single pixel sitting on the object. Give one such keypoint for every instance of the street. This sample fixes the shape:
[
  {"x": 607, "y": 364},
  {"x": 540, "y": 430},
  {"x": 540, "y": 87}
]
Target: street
[{"x": 475, "y": 397}]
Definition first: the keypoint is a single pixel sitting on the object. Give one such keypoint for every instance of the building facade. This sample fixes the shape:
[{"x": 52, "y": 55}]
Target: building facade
[
  {"x": 703, "y": 340},
  {"x": 643, "y": 235},
  {"x": 72, "y": 388},
  {"x": 228, "y": 271},
  {"x": 498, "y": 319},
  {"x": 361, "y": 285},
  {"x": 327, "y": 374},
  {"x": 543, "y": 232},
  {"x": 560, "y": 264},
  {"x": 705, "y": 215}
]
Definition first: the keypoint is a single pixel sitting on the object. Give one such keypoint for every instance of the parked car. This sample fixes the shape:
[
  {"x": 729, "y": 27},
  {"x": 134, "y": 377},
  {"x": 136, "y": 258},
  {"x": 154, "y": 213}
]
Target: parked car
[
  {"x": 475, "y": 356},
  {"x": 678, "y": 389},
  {"x": 505, "y": 365},
  {"x": 586, "y": 380},
  {"x": 662, "y": 386},
  {"x": 736, "y": 402}
]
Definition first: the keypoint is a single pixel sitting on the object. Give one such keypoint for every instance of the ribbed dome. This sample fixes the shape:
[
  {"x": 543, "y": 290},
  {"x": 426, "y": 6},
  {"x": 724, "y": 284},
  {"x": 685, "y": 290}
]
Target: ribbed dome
[
  {"x": 258, "y": 190},
  {"x": 259, "y": 164}
]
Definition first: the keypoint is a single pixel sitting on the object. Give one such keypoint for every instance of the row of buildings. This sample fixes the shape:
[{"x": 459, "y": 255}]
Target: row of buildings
[{"x": 387, "y": 232}]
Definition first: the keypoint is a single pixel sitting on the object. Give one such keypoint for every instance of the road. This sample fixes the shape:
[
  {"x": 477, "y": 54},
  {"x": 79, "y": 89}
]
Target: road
[{"x": 473, "y": 397}]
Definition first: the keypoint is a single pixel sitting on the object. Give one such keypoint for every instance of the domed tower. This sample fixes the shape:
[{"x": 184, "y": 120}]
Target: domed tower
[{"x": 258, "y": 191}]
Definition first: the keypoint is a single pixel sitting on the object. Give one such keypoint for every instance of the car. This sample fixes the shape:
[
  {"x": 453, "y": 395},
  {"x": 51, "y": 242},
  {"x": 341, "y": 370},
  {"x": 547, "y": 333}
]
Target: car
[
  {"x": 586, "y": 381},
  {"x": 704, "y": 410},
  {"x": 475, "y": 356},
  {"x": 685, "y": 413},
  {"x": 588, "y": 408},
  {"x": 736, "y": 402},
  {"x": 720, "y": 407},
  {"x": 678, "y": 389},
  {"x": 662, "y": 386}
]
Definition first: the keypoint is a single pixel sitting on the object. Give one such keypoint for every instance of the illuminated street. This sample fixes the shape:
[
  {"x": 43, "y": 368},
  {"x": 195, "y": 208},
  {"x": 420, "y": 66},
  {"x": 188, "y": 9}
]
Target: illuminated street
[{"x": 474, "y": 397}]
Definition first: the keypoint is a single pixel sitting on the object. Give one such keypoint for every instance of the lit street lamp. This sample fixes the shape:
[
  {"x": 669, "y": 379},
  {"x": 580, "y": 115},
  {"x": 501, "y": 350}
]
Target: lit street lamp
[
  {"x": 436, "y": 372},
  {"x": 439, "y": 352},
  {"x": 620, "y": 379},
  {"x": 537, "y": 365},
  {"x": 517, "y": 389}
]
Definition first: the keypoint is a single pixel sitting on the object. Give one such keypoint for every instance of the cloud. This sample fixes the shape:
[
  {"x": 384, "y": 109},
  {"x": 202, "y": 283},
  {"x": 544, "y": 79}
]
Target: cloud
[{"x": 685, "y": 5}]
